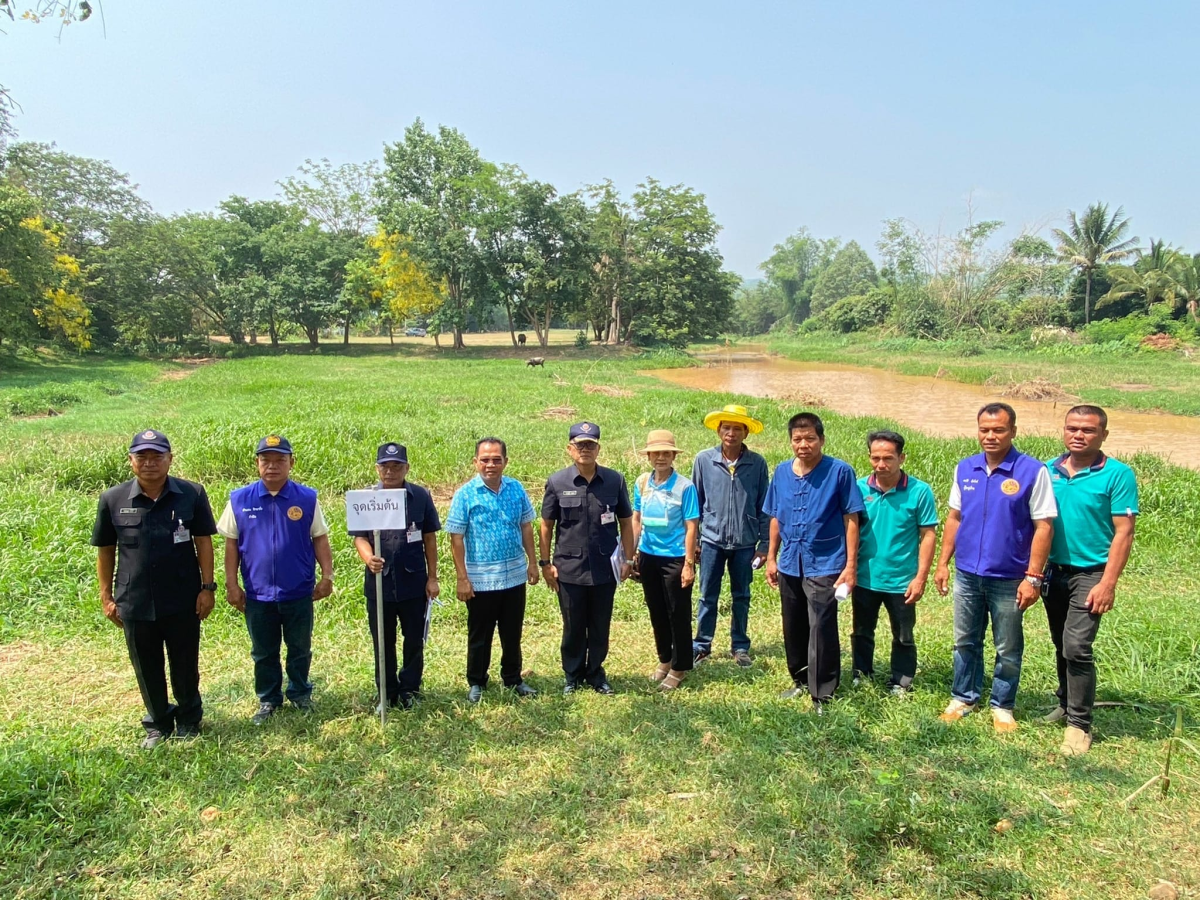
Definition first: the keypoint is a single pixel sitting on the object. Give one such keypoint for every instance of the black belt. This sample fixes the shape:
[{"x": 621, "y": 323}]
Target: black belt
[{"x": 1078, "y": 570}]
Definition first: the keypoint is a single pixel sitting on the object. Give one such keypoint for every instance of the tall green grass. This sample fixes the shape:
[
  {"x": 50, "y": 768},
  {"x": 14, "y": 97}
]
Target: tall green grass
[{"x": 720, "y": 790}]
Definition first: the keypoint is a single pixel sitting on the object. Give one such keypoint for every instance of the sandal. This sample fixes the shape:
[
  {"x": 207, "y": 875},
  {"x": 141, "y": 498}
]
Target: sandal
[
  {"x": 672, "y": 680},
  {"x": 660, "y": 672}
]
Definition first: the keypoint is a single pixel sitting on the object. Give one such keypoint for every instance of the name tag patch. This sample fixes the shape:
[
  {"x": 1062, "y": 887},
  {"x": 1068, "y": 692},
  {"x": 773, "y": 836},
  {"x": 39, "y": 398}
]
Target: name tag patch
[
  {"x": 414, "y": 536},
  {"x": 569, "y": 493},
  {"x": 607, "y": 518},
  {"x": 129, "y": 511}
]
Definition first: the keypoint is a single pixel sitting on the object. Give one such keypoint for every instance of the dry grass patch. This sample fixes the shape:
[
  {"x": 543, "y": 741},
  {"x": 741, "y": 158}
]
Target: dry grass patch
[{"x": 606, "y": 390}]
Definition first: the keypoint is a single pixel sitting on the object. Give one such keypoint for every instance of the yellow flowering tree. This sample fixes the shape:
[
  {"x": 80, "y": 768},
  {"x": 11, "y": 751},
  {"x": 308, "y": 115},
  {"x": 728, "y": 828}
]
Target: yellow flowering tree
[
  {"x": 39, "y": 284},
  {"x": 392, "y": 280}
]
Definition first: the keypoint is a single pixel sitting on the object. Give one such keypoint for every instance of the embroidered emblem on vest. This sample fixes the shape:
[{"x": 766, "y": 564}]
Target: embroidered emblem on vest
[
  {"x": 295, "y": 513},
  {"x": 1010, "y": 486}
]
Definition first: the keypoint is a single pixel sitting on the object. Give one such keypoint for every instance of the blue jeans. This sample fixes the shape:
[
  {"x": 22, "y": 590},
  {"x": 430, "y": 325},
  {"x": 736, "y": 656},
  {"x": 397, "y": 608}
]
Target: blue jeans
[
  {"x": 976, "y": 598},
  {"x": 713, "y": 561},
  {"x": 268, "y": 623}
]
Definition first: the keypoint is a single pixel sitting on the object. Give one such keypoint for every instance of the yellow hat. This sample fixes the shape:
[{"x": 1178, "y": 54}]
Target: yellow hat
[
  {"x": 733, "y": 413},
  {"x": 660, "y": 439}
]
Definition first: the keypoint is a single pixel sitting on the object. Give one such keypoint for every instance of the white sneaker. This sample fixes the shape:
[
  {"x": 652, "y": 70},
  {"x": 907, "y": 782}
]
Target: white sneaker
[
  {"x": 956, "y": 710},
  {"x": 1003, "y": 721}
]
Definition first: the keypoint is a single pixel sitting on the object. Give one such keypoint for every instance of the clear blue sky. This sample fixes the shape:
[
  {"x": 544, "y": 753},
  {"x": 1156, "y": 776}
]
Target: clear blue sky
[{"x": 833, "y": 115}]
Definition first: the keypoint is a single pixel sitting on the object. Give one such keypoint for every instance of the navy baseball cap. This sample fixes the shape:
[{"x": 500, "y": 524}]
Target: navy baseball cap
[
  {"x": 274, "y": 443},
  {"x": 584, "y": 431},
  {"x": 150, "y": 440},
  {"x": 392, "y": 453}
]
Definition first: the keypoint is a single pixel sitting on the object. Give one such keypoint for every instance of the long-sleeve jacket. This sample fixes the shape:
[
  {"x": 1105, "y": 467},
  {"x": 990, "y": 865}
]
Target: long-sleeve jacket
[{"x": 731, "y": 503}]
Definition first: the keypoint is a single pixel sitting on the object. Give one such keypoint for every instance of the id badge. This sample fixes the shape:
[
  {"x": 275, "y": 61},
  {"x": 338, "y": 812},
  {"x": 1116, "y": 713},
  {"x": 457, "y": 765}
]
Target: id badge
[
  {"x": 607, "y": 518},
  {"x": 182, "y": 535},
  {"x": 414, "y": 536}
]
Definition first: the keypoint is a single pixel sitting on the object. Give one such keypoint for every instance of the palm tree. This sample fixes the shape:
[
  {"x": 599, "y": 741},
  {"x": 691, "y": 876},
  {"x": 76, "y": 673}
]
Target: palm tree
[
  {"x": 1092, "y": 241},
  {"x": 1157, "y": 277},
  {"x": 1189, "y": 284}
]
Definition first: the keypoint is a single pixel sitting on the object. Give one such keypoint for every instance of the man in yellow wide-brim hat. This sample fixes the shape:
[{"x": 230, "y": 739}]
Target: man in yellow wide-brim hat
[{"x": 731, "y": 483}]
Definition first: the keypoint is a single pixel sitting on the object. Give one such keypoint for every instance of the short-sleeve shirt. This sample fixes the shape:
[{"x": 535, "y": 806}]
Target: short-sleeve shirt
[
  {"x": 227, "y": 525},
  {"x": 586, "y": 515},
  {"x": 490, "y": 523},
  {"x": 809, "y": 510},
  {"x": 405, "y": 572},
  {"x": 665, "y": 509},
  {"x": 890, "y": 535},
  {"x": 158, "y": 573},
  {"x": 1087, "y": 503}
]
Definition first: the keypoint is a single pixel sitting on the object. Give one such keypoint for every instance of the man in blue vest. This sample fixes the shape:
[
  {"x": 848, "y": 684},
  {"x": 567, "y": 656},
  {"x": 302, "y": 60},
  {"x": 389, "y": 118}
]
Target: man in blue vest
[
  {"x": 999, "y": 530},
  {"x": 1097, "y": 505},
  {"x": 276, "y": 535}
]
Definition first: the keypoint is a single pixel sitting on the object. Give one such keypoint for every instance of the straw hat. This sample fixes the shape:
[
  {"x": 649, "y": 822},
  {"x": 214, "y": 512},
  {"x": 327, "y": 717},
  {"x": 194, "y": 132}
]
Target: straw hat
[
  {"x": 660, "y": 439},
  {"x": 733, "y": 413}
]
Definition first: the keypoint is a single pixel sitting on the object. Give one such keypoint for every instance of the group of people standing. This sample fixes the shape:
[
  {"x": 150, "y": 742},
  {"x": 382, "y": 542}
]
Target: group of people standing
[{"x": 1017, "y": 530}]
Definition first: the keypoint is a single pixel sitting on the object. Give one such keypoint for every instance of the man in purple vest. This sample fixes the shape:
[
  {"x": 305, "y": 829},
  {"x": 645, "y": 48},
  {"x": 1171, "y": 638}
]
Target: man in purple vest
[
  {"x": 999, "y": 531},
  {"x": 276, "y": 534}
]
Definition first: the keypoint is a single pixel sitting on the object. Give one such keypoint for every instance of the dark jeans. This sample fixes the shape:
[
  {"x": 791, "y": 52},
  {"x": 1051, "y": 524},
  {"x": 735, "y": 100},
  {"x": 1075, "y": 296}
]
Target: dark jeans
[
  {"x": 1073, "y": 628},
  {"x": 670, "y": 606},
  {"x": 587, "y": 617},
  {"x": 487, "y": 611},
  {"x": 410, "y": 615},
  {"x": 810, "y": 633},
  {"x": 866, "y": 603},
  {"x": 180, "y": 634},
  {"x": 976, "y": 599},
  {"x": 713, "y": 562},
  {"x": 267, "y": 623}
]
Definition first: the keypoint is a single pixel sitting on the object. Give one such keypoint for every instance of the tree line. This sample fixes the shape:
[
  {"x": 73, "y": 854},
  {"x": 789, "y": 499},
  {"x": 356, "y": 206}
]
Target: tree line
[
  {"x": 433, "y": 234},
  {"x": 939, "y": 285}
]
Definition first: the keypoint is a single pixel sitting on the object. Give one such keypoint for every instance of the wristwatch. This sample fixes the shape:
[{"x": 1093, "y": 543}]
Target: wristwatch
[
  {"x": 542, "y": 563},
  {"x": 208, "y": 585},
  {"x": 1035, "y": 580}
]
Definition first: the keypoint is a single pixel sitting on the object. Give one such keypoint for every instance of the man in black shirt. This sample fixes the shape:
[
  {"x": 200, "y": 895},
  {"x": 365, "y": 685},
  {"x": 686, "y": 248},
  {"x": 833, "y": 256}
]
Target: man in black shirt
[
  {"x": 409, "y": 565},
  {"x": 582, "y": 506},
  {"x": 154, "y": 532}
]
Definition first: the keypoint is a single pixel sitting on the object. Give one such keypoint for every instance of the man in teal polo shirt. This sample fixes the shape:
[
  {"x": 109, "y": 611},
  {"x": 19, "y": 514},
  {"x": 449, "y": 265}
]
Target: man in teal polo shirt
[
  {"x": 897, "y": 540},
  {"x": 1097, "y": 507}
]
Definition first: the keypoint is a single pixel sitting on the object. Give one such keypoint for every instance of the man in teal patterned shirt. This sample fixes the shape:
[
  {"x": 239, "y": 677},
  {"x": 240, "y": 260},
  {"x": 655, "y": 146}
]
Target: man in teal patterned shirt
[{"x": 491, "y": 539}]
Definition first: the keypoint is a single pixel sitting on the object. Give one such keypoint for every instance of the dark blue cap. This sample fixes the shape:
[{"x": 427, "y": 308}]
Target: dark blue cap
[
  {"x": 392, "y": 453},
  {"x": 584, "y": 431},
  {"x": 274, "y": 443},
  {"x": 150, "y": 440}
]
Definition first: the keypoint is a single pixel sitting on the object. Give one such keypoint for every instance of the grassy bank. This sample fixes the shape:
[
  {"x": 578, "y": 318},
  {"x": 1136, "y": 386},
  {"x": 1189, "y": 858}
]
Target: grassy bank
[
  {"x": 1120, "y": 378},
  {"x": 720, "y": 790}
]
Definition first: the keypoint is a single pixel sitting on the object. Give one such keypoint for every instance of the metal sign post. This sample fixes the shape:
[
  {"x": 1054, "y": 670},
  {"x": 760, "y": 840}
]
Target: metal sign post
[{"x": 378, "y": 511}]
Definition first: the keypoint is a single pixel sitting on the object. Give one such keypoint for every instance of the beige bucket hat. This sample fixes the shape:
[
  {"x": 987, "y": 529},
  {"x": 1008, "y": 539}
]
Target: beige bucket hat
[{"x": 660, "y": 439}]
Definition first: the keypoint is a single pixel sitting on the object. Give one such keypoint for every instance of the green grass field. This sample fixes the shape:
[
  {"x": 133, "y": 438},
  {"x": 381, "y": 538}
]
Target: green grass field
[
  {"x": 1128, "y": 379},
  {"x": 717, "y": 791}
]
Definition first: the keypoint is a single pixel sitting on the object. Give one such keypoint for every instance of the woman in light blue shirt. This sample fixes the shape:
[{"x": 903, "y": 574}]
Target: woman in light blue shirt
[{"x": 666, "y": 517}]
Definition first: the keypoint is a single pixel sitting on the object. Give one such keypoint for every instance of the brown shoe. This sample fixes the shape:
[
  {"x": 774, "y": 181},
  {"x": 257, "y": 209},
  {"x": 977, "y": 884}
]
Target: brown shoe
[
  {"x": 956, "y": 710},
  {"x": 1003, "y": 721},
  {"x": 1076, "y": 742}
]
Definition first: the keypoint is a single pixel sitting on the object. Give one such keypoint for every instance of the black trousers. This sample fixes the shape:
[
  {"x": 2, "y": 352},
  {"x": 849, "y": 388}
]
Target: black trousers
[
  {"x": 1073, "y": 628},
  {"x": 810, "y": 633},
  {"x": 587, "y": 618},
  {"x": 409, "y": 615},
  {"x": 670, "y": 606},
  {"x": 866, "y": 603},
  {"x": 487, "y": 611},
  {"x": 180, "y": 635}
]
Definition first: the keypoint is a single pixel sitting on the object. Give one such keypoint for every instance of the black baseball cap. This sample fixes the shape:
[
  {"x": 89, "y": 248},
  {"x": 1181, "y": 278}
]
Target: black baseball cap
[
  {"x": 584, "y": 431},
  {"x": 274, "y": 443},
  {"x": 150, "y": 440},
  {"x": 391, "y": 453}
]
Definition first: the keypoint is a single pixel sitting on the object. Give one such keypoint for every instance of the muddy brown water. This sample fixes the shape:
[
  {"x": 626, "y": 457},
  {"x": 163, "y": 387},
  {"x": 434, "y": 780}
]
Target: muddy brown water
[{"x": 931, "y": 405}]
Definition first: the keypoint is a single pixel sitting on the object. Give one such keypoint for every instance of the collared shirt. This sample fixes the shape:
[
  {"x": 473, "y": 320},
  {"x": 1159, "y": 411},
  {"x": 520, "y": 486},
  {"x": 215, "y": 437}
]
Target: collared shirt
[
  {"x": 158, "y": 573},
  {"x": 890, "y": 535},
  {"x": 999, "y": 506},
  {"x": 405, "y": 572},
  {"x": 227, "y": 525},
  {"x": 1087, "y": 503},
  {"x": 809, "y": 510},
  {"x": 490, "y": 523},
  {"x": 731, "y": 499},
  {"x": 585, "y": 514},
  {"x": 665, "y": 509}
]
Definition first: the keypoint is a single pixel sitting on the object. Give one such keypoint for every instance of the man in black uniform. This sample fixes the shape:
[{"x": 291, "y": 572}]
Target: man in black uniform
[
  {"x": 155, "y": 533},
  {"x": 583, "y": 505},
  {"x": 408, "y": 562}
]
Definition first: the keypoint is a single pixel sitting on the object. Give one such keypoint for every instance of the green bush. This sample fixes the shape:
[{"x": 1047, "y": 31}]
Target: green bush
[
  {"x": 1039, "y": 312},
  {"x": 581, "y": 340},
  {"x": 853, "y": 313}
]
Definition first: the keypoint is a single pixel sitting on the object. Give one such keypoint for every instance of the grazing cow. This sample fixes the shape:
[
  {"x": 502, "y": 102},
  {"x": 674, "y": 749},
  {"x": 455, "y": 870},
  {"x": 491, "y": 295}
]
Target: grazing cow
[
  {"x": 521, "y": 339},
  {"x": 536, "y": 361}
]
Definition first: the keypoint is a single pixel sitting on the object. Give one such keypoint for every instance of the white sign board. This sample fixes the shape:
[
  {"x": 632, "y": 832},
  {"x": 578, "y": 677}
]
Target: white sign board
[{"x": 376, "y": 510}]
